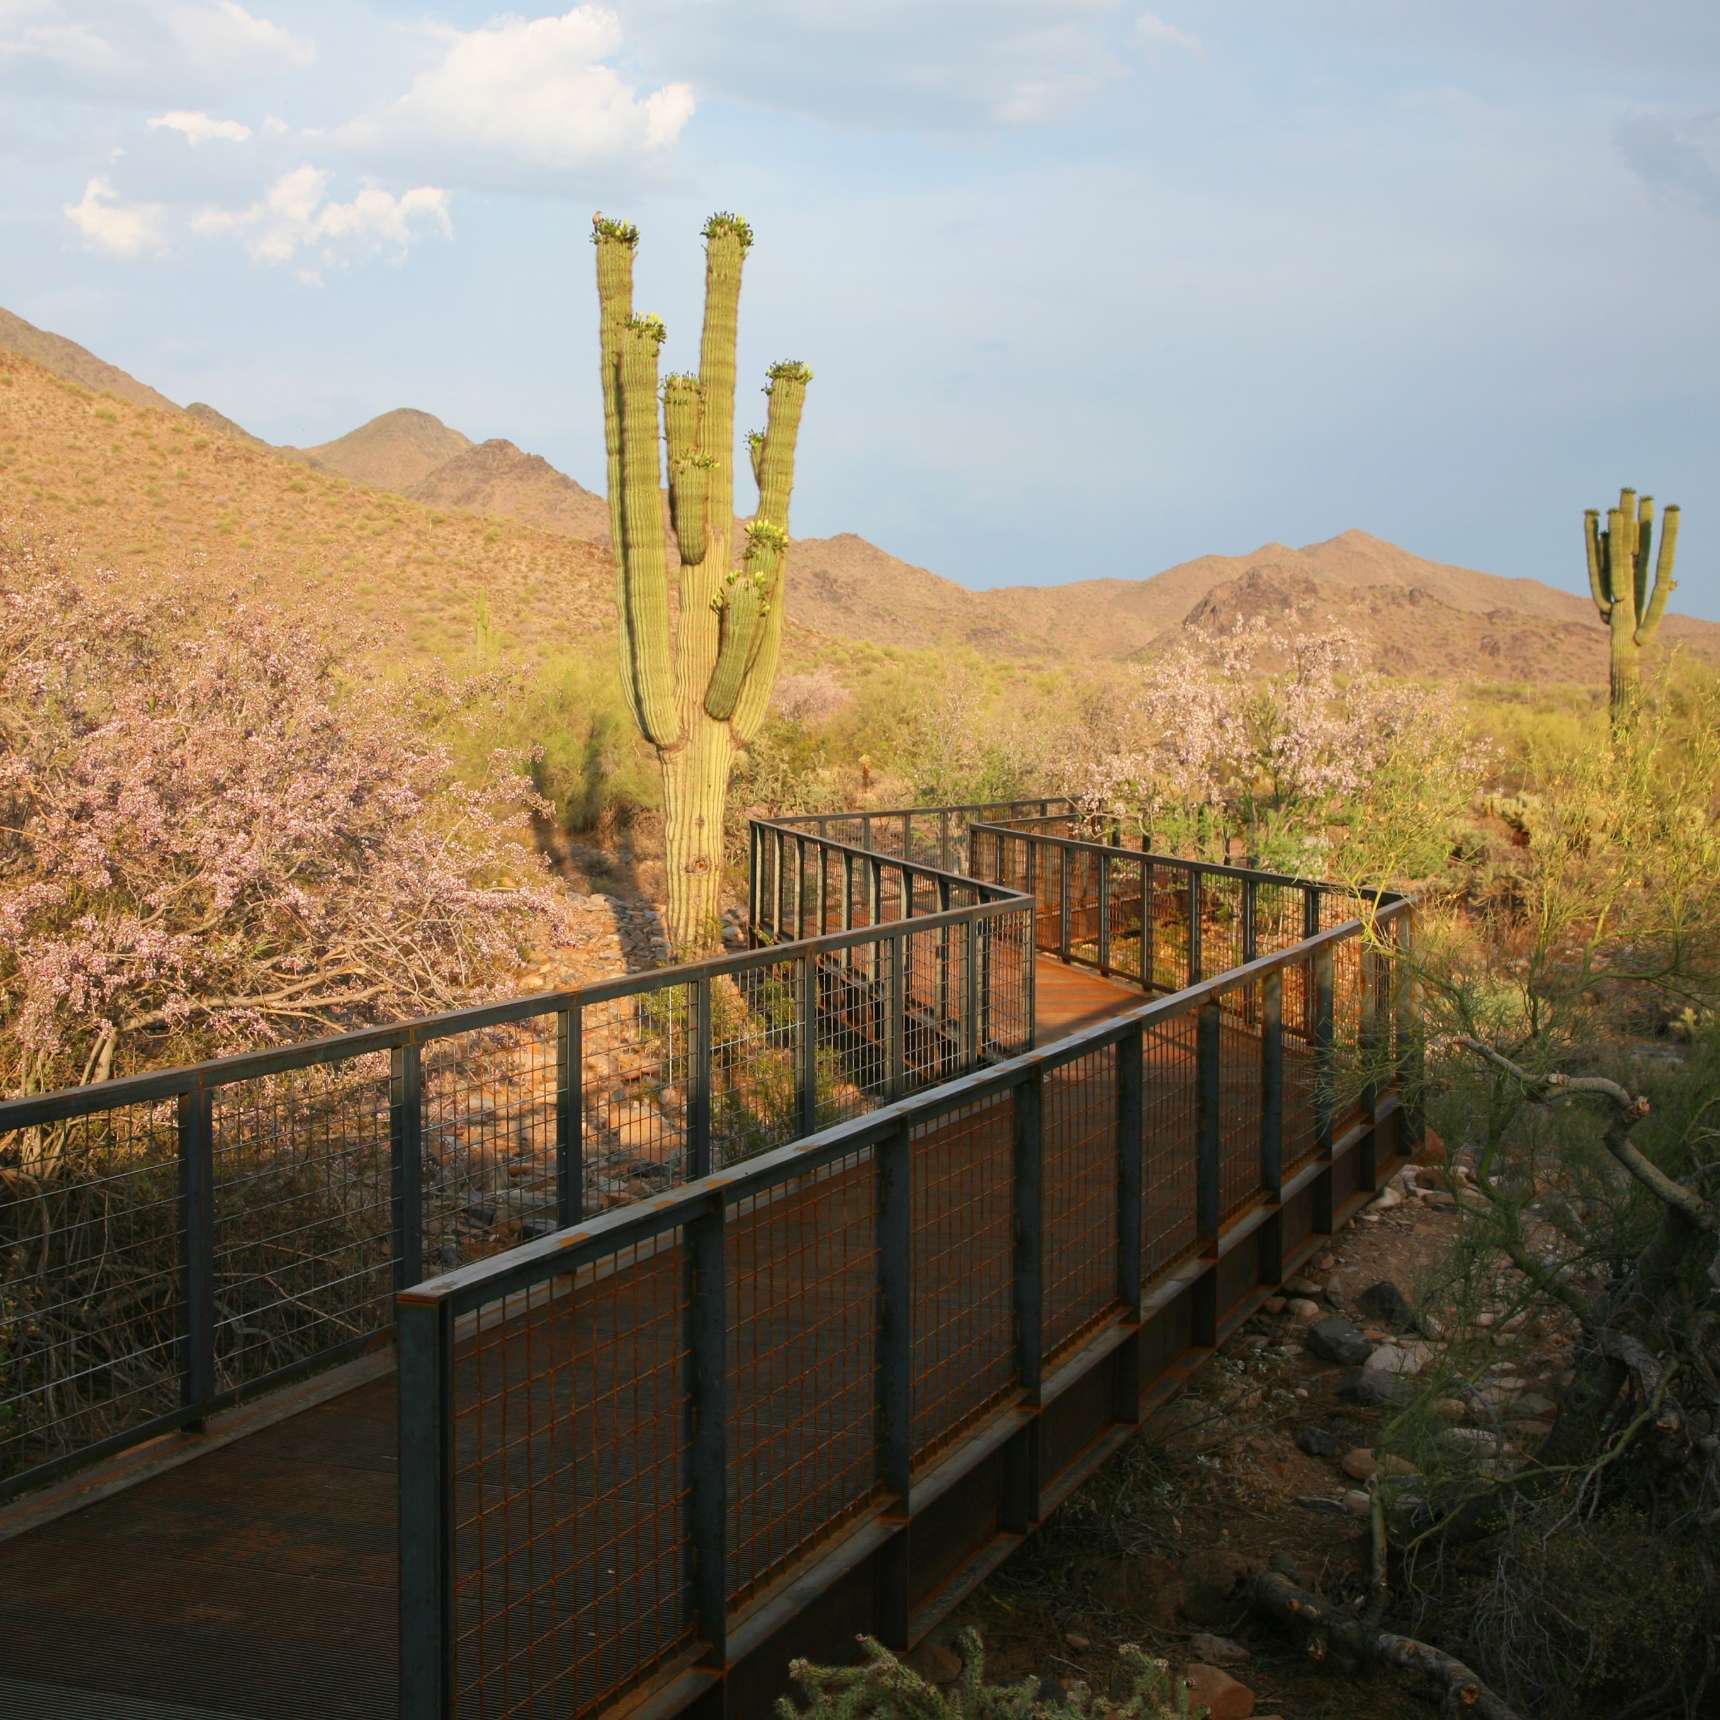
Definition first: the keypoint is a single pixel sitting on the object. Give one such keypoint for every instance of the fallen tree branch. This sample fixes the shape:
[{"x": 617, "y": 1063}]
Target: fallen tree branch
[{"x": 1444, "y": 1677}]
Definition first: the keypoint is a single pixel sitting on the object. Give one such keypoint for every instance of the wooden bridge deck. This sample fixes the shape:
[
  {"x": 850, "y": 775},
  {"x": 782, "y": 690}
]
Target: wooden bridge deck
[{"x": 255, "y": 1578}]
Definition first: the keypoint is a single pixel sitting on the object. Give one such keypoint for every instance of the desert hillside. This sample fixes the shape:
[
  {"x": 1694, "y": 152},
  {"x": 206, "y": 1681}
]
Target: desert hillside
[
  {"x": 65, "y": 358},
  {"x": 497, "y": 478},
  {"x": 427, "y": 489}
]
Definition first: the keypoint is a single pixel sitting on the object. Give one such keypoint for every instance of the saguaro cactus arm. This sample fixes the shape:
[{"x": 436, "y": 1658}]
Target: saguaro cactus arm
[
  {"x": 616, "y": 243},
  {"x": 646, "y": 666},
  {"x": 1664, "y": 583},
  {"x": 1594, "y": 545}
]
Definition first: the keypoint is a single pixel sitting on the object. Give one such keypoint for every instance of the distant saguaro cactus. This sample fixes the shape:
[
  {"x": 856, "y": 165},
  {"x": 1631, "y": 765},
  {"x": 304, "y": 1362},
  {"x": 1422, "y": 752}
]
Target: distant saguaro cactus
[
  {"x": 699, "y": 685},
  {"x": 1618, "y": 577}
]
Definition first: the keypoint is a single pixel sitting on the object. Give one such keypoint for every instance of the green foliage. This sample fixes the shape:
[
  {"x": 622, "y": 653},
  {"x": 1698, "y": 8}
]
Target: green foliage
[{"x": 882, "y": 1688}]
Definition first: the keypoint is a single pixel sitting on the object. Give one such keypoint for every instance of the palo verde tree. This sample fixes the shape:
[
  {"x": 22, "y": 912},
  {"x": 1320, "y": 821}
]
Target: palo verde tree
[
  {"x": 1618, "y": 577},
  {"x": 697, "y": 668}
]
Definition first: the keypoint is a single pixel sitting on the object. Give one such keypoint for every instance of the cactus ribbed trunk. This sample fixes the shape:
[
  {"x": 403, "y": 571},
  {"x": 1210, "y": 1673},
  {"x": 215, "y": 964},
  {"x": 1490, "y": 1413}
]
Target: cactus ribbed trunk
[
  {"x": 699, "y": 690},
  {"x": 695, "y": 793}
]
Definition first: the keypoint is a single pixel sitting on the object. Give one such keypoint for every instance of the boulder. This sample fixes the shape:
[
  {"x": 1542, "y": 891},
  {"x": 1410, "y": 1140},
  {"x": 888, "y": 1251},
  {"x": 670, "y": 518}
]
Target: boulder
[
  {"x": 1317, "y": 1442},
  {"x": 1212, "y": 1688},
  {"x": 1374, "y": 1386},
  {"x": 1301, "y": 1308},
  {"x": 1387, "y": 1304},
  {"x": 1334, "y": 1339},
  {"x": 1359, "y": 1464}
]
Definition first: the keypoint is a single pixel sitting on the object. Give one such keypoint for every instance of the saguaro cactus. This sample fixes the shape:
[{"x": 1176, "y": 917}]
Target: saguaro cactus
[
  {"x": 1618, "y": 577},
  {"x": 698, "y": 671}
]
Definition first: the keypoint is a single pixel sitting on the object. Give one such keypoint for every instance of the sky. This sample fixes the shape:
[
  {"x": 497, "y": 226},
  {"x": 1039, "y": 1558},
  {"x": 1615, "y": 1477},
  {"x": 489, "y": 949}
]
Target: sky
[{"x": 1086, "y": 288}]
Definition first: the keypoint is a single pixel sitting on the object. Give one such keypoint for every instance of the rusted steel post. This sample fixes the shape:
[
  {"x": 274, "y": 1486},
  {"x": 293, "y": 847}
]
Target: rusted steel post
[
  {"x": 424, "y": 1394},
  {"x": 570, "y": 1116},
  {"x": 699, "y": 1154},
  {"x": 707, "y": 1470},
  {"x": 197, "y": 1219}
]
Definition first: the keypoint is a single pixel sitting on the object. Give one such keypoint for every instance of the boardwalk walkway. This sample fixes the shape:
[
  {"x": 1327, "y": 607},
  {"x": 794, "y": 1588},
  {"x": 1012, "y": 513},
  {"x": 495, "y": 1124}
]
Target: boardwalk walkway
[{"x": 257, "y": 1578}]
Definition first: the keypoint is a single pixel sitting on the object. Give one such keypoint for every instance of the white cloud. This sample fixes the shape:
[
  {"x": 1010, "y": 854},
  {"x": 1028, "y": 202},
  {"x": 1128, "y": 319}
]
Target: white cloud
[
  {"x": 199, "y": 128},
  {"x": 225, "y": 34},
  {"x": 121, "y": 229},
  {"x": 532, "y": 92},
  {"x": 1157, "y": 32},
  {"x": 294, "y": 223},
  {"x": 41, "y": 30}
]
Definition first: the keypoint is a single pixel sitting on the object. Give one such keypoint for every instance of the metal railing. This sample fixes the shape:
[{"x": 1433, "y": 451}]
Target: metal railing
[
  {"x": 631, "y": 1451},
  {"x": 174, "y": 1241}
]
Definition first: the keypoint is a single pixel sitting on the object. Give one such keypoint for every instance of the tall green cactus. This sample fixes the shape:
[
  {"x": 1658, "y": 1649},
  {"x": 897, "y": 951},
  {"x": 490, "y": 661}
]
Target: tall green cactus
[
  {"x": 699, "y": 683},
  {"x": 1618, "y": 578}
]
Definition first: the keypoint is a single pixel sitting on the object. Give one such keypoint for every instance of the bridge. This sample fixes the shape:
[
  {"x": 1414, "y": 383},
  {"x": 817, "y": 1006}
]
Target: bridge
[{"x": 595, "y": 1353}]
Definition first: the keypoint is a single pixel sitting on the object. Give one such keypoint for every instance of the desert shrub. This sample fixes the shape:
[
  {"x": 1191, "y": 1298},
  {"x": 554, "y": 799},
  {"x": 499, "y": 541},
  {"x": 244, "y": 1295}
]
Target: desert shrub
[
  {"x": 565, "y": 721},
  {"x": 1288, "y": 742},
  {"x": 208, "y": 842},
  {"x": 882, "y": 1688}
]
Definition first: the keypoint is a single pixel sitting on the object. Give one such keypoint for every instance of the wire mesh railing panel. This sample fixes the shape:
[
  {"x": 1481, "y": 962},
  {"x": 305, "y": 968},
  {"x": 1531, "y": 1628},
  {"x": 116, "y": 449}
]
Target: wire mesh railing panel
[
  {"x": 302, "y": 1245},
  {"x": 1240, "y": 1107},
  {"x": 1298, "y": 1082},
  {"x": 962, "y": 1252},
  {"x": 489, "y": 1140},
  {"x": 636, "y": 1057},
  {"x": 1348, "y": 1051},
  {"x": 757, "y": 1023},
  {"x": 1170, "y": 1114},
  {"x": 1005, "y": 968},
  {"x": 1079, "y": 1193},
  {"x": 571, "y": 1425},
  {"x": 1280, "y": 916},
  {"x": 1081, "y": 872},
  {"x": 1221, "y": 924},
  {"x": 801, "y": 1365},
  {"x": 1168, "y": 925},
  {"x": 92, "y": 1245},
  {"x": 934, "y": 983},
  {"x": 1126, "y": 913}
]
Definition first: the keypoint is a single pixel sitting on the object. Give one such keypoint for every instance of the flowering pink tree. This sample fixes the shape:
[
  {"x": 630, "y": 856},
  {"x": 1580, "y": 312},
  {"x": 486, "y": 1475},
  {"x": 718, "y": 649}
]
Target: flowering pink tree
[
  {"x": 1283, "y": 739},
  {"x": 208, "y": 841}
]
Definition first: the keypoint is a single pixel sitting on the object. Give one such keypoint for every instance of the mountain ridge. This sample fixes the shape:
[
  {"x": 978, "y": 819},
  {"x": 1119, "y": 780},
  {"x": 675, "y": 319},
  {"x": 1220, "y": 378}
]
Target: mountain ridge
[{"x": 1415, "y": 616}]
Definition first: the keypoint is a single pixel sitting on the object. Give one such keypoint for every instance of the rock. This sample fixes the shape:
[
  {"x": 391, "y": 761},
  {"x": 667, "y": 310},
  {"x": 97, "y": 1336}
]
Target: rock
[
  {"x": 1373, "y": 1386},
  {"x": 936, "y": 1662},
  {"x": 1485, "y": 1319},
  {"x": 1212, "y": 1688},
  {"x": 1334, "y": 1339},
  {"x": 1531, "y": 1406},
  {"x": 1396, "y": 1359},
  {"x": 1357, "y": 1503},
  {"x": 1437, "y": 1200},
  {"x": 1389, "y": 1463},
  {"x": 1301, "y": 1286},
  {"x": 1388, "y": 1304},
  {"x": 1450, "y": 1409},
  {"x": 1337, "y": 1288},
  {"x": 1326, "y": 1262},
  {"x": 1317, "y": 1442},
  {"x": 1304, "y": 1310},
  {"x": 1318, "y": 1502},
  {"x": 1273, "y": 1305},
  {"x": 1359, "y": 1464},
  {"x": 1050, "y": 1691},
  {"x": 1209, "y": 1579},
  {"x": 1472, "y": 1441},
  {"x": 1218, "y": 1650},
  {"x": 1385, "y": 1200},
  {"x": 1286, "y": 1566},
  {"x": 1077, "y": 1642}
]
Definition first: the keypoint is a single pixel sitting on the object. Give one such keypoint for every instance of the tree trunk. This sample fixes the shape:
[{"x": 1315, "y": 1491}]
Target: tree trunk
[{"x": 695, "y": 787}]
